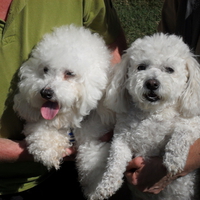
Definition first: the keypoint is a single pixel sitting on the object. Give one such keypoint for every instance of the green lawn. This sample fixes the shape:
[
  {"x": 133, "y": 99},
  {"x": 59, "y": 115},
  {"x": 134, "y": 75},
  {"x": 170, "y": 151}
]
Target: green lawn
[{"x": 138, "y": 17}]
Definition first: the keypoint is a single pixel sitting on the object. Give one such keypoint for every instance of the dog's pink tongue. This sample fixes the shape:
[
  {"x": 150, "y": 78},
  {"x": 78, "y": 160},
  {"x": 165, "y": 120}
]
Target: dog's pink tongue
[{"x": 49, "y": 110}]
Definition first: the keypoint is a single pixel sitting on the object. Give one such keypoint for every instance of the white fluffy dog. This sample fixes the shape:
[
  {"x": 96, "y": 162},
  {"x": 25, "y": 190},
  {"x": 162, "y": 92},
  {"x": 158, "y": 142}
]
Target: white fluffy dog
[
  {"x": 155, "y": 91},
  {"x": 60, "y": 84}
]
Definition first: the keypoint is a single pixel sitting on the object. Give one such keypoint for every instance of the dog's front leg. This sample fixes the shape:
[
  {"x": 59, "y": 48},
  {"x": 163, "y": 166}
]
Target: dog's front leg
[
  {"x": 186, "y": 132},
  {"x": 46, "y": 144},
  {"x": 120, "y": 155},
  {"x": 91, "y": 163},
  {"x": 92, "y": 153}
]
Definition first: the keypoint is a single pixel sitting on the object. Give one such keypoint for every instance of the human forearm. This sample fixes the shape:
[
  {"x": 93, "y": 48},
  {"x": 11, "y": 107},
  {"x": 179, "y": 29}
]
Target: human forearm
[
  {"x": 193, "y": 160},
  {"x": 117, "y": 48},
  {"x": 12, "y": 151}
]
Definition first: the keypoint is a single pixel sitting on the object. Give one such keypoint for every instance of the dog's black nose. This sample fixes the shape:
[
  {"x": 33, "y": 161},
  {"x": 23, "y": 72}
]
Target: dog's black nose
[
  {"x": 47, "y": 93},
  {"x": 152, "y": 84}
]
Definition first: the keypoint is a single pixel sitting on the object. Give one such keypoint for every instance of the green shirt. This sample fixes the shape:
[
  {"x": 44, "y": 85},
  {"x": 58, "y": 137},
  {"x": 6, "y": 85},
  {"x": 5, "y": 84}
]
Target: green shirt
[{"x": 27, "y": 22}]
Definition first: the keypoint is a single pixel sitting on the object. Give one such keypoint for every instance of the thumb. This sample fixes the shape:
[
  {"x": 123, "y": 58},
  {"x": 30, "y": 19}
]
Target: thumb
[
  {"x": 135, "y": 163},
  {"x": 71, "y": 151}
]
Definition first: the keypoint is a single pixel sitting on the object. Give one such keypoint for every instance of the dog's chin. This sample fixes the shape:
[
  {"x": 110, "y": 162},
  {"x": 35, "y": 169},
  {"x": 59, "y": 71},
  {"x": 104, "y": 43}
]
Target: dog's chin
[{"x": 152, "y": 97}]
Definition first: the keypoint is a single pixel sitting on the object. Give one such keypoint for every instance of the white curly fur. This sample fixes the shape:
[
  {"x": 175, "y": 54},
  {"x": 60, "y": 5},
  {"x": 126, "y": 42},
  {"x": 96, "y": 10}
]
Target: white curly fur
[
  {"x": 154, "y": 118},
  {"x": 74, "y": 64}
]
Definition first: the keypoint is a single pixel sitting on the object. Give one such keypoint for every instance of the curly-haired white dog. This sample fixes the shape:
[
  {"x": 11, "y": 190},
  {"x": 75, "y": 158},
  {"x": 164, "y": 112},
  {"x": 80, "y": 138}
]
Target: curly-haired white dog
[
  {"x": 155, "y": 91},
  {"x": 60, "y": 84}
]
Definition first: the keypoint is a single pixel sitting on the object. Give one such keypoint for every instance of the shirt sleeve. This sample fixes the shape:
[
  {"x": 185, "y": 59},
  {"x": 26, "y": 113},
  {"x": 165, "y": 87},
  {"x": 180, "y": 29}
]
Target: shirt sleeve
[{"x": 100, "y": 17}]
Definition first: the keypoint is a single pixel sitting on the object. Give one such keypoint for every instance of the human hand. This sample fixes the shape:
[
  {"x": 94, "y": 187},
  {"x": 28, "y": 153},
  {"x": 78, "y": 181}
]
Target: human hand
[
  {"x": 151, "y": 175},
  {"x": 148, "y": 175},
  {"x": 70, "y": 154}
]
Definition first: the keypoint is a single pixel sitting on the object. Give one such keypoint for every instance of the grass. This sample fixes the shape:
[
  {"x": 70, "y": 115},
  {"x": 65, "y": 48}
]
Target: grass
[{"x": 138, "y": 17}]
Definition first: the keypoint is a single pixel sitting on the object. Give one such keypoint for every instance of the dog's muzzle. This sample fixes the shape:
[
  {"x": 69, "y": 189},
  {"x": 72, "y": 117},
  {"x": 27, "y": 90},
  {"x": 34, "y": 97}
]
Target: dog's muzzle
[{"x": 152, "y": 85}]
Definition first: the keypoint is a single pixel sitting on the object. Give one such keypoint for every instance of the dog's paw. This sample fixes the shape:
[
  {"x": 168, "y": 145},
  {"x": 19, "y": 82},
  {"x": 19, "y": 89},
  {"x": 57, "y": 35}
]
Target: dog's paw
[
  {"x": 53, "y": 163},
  {"x": 48, "y": 157},
  {"x": 173, "y": 164},
  {"x": 49, "y": 149},
  {"x": 101, "y": 195},
  {"x": 96, "y": 197},
  {"x": 106, "y": 190}
]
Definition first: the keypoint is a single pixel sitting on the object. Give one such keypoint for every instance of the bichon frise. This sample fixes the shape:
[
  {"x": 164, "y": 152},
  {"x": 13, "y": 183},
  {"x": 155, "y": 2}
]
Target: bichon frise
[
  {"x": 155, "y": 91},
  {"x": 60, "y": 84}
]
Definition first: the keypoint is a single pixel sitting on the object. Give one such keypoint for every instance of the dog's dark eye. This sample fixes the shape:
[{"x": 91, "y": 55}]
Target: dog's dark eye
[
  {"x": 169, "y": 70},
  {"x": 69, "y": 74},
  {"x": 142, "y": 67},
  {"x": 45, "y": 70}
]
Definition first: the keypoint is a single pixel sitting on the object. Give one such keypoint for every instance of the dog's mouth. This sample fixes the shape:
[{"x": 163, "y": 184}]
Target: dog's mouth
[
  {"x": 49, "y": 110},
  {"x": 152, "y": 96}
]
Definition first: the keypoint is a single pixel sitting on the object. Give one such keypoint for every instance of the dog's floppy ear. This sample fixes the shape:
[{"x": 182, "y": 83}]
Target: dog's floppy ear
[
  {"x": 116, "y": 91},
  {"x": 190, "y": 100},
  {"x": 21, "y": 104},
  {"x": 24, "y": 110}
]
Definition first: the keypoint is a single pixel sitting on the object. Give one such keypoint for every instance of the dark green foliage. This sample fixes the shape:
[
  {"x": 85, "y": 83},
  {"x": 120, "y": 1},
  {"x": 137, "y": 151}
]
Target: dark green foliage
[{"x": 138, "y": 17}]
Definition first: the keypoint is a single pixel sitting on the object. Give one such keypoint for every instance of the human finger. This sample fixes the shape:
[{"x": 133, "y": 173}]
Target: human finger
[
  {"x": 135, "y": 163},
  {"x": 71, "y": 151}
]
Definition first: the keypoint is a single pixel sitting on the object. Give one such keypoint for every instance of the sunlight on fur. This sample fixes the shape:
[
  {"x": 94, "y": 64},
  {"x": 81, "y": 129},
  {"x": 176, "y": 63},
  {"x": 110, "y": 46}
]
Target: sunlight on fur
[
  {"x": 60, "y": 84},
  {"x": 155, "y": 92}
]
